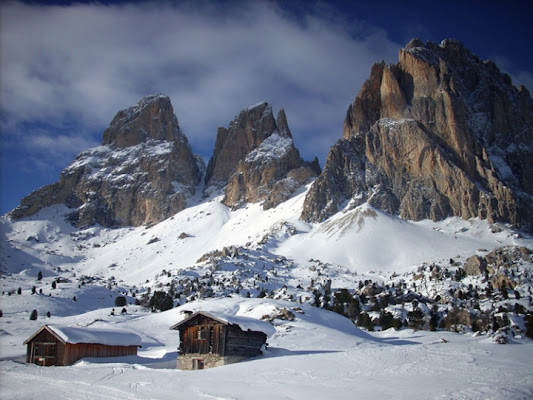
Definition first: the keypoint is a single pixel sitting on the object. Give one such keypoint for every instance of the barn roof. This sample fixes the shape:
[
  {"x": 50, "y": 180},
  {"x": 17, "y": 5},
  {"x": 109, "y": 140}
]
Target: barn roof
[
  {"x": 245, "y": 323},
  {"x": 109, "y": 337}
]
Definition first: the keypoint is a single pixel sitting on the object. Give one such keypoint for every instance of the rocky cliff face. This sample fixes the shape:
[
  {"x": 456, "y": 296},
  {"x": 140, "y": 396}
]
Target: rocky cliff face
[
  {"x": 441, "y": 133},
  {"x": 142, "y": 174},
  {"x": 255, "y": 159}
]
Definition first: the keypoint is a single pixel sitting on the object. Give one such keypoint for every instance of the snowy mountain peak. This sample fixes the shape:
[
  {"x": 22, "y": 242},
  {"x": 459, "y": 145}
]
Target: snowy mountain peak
[
  {"x": 255, "y": 159},
  {"x": 419, "y": 143},
  {"x": 254, "y": 155},
  {"x": 151, "y": 118},
  {"x": 441, "y": 133},
  {"x": 143, "y": 173}
]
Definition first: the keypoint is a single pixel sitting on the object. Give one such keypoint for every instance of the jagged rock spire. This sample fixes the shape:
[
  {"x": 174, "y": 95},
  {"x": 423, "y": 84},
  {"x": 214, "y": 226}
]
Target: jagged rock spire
[
  {"x": 441, "y": 133},
  {"x": 255, "y": 159},
  {"x": 142, "y": 174}
]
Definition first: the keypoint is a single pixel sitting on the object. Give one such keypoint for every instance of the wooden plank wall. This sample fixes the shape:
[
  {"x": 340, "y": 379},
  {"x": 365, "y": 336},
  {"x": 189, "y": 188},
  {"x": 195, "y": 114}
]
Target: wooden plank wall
[
  {"x": 240, "y": 343},
  {"x": 203, "y": 339},
  {"x": 45, "y": 337},
  {"x": 75, "y": 352}
]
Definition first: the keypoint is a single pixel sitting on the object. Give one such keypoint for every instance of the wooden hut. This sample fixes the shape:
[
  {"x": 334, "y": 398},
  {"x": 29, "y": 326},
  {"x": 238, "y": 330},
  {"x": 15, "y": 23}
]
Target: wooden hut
[
  {"x": 210, "y": 340},
  {"x": 52, "y": 345}
]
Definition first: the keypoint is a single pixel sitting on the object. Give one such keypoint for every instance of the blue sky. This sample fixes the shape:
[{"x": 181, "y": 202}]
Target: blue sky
[{"x": 67, "y": 68}]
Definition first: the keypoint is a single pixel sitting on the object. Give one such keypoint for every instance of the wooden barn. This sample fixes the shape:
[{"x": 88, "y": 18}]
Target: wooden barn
[
  {"x": 210, "y": 340},
  {"x": 52, "y": 345}
]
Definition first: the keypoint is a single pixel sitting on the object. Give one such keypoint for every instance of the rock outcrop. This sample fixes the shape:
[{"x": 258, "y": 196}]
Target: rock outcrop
[
  {"x": 255, "y": 159},
  {"x": 442, "y": 133},
  {"x": 141, "y": 174}
]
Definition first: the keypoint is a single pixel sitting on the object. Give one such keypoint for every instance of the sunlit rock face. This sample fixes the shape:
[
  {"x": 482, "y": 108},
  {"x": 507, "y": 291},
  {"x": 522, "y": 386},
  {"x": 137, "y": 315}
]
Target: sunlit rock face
[
  {"x": 255, "y": 159},
  {"x": 441, "y": 133},
  {"x": 143, "y": 172}
]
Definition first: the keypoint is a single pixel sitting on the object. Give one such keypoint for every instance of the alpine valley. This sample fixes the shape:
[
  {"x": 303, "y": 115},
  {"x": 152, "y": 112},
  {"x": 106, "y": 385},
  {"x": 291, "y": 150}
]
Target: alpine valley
[{"x": 401, "y": 269}]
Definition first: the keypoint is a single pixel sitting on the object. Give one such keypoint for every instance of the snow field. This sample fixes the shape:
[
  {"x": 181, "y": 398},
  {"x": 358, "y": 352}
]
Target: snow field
[{"x": 318, "y": 355}]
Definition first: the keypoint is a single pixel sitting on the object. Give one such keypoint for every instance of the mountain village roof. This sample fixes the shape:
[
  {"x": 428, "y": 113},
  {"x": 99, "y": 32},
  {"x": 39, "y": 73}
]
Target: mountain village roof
[
  {"x": 109, "y": 337},
  {"x": 245, "y": 323}
]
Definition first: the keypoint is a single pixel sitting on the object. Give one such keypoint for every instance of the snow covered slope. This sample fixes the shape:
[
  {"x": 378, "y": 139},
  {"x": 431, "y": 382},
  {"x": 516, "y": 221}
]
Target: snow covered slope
[
  {"x": 317, "y": 355},
  {"x": 72, "y": 277},
  {"x": 360, "y": 240}
]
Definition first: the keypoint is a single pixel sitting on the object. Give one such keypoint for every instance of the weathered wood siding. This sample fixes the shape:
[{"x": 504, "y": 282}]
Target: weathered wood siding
[
  {"x": 45, "y": 349},
  {"x": 206, "y": 343},
  {"x": 206, "y": 337},
  {"x": 246, "y": 344},
  {"x": 75, "y": 352}
]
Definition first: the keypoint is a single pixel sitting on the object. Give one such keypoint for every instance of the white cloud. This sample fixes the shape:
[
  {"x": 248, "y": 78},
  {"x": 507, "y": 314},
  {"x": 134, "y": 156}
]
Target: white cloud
[{"x": 83, "y": 63}]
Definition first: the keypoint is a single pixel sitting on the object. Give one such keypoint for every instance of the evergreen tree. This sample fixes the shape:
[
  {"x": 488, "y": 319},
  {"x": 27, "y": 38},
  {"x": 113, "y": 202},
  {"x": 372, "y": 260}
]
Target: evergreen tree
[
  {"x": 434, "y": 319},
  {"x": 54, "y": 285},
  {"x": 39, "y": 276},
  {"x": 529, "y": 325},
  {"x": 19, "y": 291},
  {"x": 342, "y": 296},
  {"x": 120, "y": 301},
  {"x": 316, "y": 293},
  {"x": 33, "y": 315},
  {"x": 354, "y": 309},
  {"x": 365, "y": 321},
  {"x": 505, "y": 293},
  {"x": 161, "y": 301},
  {"x": 519, "y": 309},
  {"x": 416, "y": 318},
  {"x": 385, "y": 320}
]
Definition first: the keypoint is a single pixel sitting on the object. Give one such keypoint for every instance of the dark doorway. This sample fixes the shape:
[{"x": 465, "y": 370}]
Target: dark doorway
[{"x": 198, "y": 364}]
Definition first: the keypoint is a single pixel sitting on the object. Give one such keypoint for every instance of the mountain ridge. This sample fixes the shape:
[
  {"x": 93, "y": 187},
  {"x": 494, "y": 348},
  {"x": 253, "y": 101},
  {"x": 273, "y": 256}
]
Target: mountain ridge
[
  {"x": 145, "y": 171},
  {"x": 141, "y": 174},
  {"x": 441, "y": 133},
  {"x": 348, "y": 291}
]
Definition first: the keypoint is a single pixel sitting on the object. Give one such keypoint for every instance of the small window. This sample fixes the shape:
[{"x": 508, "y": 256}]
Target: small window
[{"x": 202, "y": 334}]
